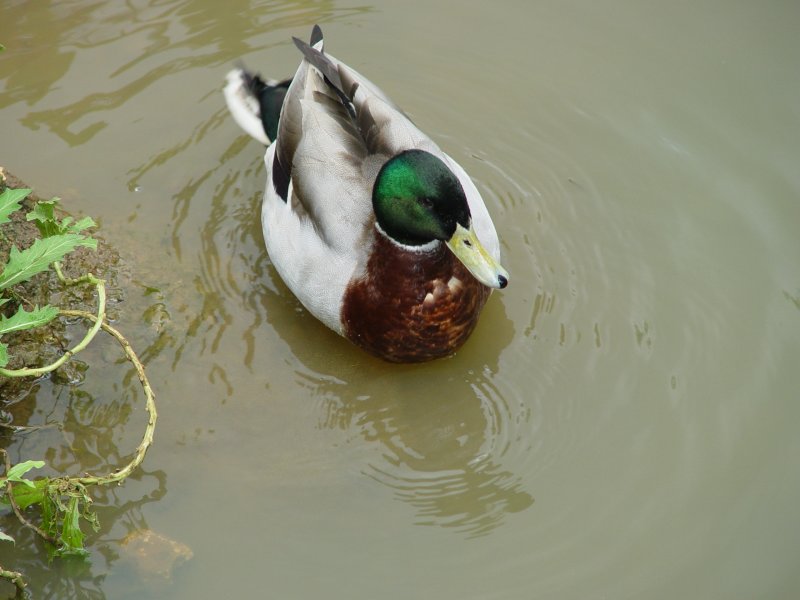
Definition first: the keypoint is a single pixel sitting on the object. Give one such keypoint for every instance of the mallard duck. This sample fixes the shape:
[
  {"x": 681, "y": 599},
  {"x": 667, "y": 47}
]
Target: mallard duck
[{"x": 380, "y": 234}]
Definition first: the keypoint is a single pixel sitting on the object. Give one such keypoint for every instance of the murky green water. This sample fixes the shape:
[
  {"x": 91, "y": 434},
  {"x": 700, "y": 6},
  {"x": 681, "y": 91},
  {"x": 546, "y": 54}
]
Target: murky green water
[{"x": 622, "y": 424}]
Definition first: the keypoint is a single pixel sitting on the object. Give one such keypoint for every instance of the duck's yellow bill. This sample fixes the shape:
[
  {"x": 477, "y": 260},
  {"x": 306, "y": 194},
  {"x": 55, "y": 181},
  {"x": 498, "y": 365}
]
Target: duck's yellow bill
[{"x": 469, "y": 250}]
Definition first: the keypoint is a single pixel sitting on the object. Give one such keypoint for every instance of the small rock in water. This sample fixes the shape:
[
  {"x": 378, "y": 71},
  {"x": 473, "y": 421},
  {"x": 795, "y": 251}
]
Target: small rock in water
[
  {"x": 72, "y": 372},
  {"x": 154, "y": 555}
]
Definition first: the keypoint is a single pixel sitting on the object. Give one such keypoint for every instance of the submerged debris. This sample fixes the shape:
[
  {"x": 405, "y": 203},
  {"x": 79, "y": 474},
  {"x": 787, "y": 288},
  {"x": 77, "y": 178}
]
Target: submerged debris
[{"x": 154, "y": 556}]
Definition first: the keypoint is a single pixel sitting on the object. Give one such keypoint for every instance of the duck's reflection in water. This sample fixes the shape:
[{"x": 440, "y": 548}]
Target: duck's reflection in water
[{"x": 443, "y": 429}]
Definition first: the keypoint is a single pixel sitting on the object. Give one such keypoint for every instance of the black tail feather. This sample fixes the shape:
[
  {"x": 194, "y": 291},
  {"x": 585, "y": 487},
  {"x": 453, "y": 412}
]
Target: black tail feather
[{"x": 270, "y": 100}]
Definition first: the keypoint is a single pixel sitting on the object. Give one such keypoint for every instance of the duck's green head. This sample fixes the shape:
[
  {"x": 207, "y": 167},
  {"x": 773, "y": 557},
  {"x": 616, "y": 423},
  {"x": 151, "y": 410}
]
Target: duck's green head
[{"x": 417, "y": 199}]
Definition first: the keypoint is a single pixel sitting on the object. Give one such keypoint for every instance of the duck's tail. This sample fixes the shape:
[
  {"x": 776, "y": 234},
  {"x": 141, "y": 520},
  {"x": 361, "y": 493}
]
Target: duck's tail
[{"x": 255, "y": 103}]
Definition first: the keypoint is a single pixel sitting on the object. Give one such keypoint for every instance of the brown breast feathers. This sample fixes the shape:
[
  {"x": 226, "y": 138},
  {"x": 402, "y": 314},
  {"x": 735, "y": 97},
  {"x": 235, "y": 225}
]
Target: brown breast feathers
[{"x": 412, "y": 307}]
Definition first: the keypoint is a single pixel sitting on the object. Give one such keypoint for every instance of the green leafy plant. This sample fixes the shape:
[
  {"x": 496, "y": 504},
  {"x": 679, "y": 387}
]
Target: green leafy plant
[
  {"x": 59, "y": 238},
  {"x": 64, "y": 502}
]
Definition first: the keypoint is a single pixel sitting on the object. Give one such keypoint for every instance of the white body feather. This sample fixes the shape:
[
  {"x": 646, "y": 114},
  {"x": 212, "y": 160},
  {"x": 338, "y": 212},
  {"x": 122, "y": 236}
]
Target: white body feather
[{"x": 243, "y": 106}]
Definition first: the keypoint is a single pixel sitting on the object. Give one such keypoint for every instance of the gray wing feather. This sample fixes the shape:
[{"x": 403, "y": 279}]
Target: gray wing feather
[{"x": 337, "y": 129}]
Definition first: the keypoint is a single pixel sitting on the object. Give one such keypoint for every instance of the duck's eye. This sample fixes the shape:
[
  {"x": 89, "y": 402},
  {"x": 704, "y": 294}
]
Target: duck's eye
[{"x": 426, "y": 202}]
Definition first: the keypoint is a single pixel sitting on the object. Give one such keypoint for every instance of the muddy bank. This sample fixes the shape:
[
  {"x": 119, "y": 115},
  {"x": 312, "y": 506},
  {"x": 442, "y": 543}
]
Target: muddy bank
[{"x": 43, "y": 345}]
